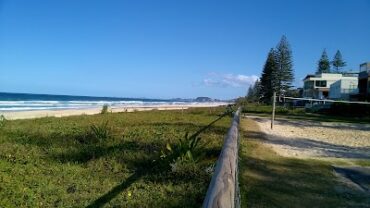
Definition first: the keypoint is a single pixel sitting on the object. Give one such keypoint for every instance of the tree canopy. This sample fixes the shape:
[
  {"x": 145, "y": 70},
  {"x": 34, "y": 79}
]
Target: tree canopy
[
  {"x": 268, "y": 77},
  {"x": 254, "y": 92},
  {"x": 284, "y": 62},
  {"x": 277, "y": 74},
  {"x": 338, "y": 62},
  {"x": 323, "y": 65}
]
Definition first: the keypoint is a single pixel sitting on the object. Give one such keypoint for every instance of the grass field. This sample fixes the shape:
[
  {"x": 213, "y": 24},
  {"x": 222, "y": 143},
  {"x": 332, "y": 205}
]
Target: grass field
[
  {"x": 269, "y": 180},
  {"x": 57, "y": 162}
]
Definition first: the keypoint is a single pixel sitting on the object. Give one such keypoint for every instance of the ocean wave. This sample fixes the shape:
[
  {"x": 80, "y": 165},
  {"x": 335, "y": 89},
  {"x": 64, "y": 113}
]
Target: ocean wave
[
  {"x": 36, "y": 108},
  {"x": 6, "y": 106},
  {"x": 28, "y": 102}
]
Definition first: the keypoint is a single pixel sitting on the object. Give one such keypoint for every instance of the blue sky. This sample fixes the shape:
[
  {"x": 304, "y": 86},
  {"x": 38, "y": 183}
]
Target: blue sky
[{"x": 168, "y": 49}]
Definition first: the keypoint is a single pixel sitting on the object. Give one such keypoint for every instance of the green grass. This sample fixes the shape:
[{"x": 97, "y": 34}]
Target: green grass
[
  {"x": 269, "y": 180},
  {"x": 74, "y": 162}
]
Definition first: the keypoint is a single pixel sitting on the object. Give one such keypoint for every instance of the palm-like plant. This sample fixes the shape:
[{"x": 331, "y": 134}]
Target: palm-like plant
[
  {"x": 184, "y": 150},
  {"x": 100, "y": 131}
]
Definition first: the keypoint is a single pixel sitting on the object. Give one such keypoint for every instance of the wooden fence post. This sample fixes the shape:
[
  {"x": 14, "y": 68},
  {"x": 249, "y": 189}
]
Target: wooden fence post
[{"x": 273, "y": 110}]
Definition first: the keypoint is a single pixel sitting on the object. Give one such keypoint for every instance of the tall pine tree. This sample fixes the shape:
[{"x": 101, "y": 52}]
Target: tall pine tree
[
  {"x": 338, "y": 62},
  {"x": 250, "y": 93},
  {"x": 254, "y": 92},
  {"x": 284, "y": 62},
  {"x": 268, "y": 78},
  {"x": 257, "y": 90},
  {"x": 323, "y": 65}
]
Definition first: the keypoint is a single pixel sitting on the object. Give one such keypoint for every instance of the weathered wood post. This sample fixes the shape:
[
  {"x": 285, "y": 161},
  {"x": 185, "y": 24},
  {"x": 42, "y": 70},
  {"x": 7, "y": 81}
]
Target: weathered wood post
[
  {"x": 273, "y": 110},
  {"x": 223, "y": 191}
]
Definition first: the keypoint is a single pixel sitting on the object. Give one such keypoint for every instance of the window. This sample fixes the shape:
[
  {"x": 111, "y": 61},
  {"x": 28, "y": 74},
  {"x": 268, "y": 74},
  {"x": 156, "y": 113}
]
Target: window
[
  {"x": 308, "y": 85},
  {"x": 353, "y": 86},
  {"x": 320, "y": 83}
]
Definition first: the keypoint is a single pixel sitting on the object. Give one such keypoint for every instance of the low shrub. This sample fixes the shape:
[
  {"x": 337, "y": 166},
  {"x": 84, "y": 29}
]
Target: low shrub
[
  {"x": 101, "y": 131},
  {"x": 104, "y": 109},
  {"x": 186, "y": 150},
  {"x": 2, "y": 121}
]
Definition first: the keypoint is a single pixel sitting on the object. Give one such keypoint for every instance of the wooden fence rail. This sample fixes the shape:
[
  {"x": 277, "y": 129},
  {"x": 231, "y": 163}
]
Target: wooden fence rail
[{"x": 223, "y": 191}]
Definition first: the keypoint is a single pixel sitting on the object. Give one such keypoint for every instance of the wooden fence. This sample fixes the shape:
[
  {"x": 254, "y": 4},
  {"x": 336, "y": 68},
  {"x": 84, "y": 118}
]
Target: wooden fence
[{"x": 223, "y": 191}]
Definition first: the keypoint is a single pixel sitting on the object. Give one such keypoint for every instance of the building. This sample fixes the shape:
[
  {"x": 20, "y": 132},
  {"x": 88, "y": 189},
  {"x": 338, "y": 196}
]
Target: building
[
  {"x": 364, "y": 82},
  {"x": 317, "y": 86},
  {"x": 343, "y": 88}
]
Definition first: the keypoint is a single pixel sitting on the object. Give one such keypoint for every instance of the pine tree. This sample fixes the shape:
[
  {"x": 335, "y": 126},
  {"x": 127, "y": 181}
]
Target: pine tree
[
  {"x": 268, "y": 78},
  {"x": 257, "y": 90},
  {"x": 323, "y": 65},
  {"x": 254, "y": 92},
  {"x": 284, "y": 62},
  {"x": 250, "y": 92},
  {"x": 338, "y": 62}
]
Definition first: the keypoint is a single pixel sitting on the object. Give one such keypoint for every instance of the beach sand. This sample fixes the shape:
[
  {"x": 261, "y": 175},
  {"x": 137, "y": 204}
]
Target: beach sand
[
  {"x": 313, "y": 139},
  {"x": 91, "y": 111}
]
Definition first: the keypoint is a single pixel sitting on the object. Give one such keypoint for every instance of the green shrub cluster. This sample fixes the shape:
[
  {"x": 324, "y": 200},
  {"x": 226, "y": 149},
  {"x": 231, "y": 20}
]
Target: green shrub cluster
[
  {"x": 185, "y": 150},
  {"x": 101, "y": 131}
]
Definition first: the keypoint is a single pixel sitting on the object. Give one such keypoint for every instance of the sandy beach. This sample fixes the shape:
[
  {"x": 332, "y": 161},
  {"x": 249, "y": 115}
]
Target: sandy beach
[{"x": 91, "y": 111}]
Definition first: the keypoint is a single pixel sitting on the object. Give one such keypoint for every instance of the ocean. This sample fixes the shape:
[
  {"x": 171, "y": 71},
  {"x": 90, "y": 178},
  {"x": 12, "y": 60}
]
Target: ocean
[{"x": 29, "y": 102}]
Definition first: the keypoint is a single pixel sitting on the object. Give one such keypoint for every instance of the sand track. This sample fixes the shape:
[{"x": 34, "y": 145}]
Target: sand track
[{"x": 307, "y": 139}]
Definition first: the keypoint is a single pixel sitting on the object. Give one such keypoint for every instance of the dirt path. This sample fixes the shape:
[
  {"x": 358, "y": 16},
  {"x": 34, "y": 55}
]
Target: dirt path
[{"x": 307, "y": 139}]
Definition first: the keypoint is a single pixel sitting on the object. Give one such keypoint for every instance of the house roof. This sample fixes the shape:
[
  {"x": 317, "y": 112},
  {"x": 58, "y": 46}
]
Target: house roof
[
  {"x": 328, "y": 76},
  {"x": 308, "y": 76}
]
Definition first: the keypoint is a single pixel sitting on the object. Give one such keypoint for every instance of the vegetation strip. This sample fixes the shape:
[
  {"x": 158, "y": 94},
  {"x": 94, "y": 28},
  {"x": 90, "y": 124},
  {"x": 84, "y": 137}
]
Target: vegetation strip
[
  {"x": 184, "y": 152},
  {"x": 60, "y": 162}
]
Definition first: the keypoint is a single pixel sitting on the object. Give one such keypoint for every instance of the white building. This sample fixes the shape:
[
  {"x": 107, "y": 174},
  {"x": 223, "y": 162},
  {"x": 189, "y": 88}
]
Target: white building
[
  {"x": 318, "y": 86},
  {"x": 343, "y": 88}
]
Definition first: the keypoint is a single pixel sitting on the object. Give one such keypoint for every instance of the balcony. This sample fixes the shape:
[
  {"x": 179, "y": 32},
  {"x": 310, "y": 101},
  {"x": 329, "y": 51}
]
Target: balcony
[{"x": 363, "y": 75}]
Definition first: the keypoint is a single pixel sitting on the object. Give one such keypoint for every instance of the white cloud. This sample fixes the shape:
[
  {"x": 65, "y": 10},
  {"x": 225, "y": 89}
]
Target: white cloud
[{"x": 229, "y": 80}]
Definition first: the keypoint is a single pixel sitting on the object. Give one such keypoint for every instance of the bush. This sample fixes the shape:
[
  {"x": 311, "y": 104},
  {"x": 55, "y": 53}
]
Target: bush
[
  {"x": 2, "y": 121},
  {"x": 186, "y": 150},
  {"x": 100, "y": 131},
  {"x": 104, "y": 109}
]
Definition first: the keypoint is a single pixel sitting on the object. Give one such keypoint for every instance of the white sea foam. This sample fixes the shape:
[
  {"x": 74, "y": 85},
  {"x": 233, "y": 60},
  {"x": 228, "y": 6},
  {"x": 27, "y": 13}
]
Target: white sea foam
[
  {"x": 76, "y": 104},
  {"x": 35, "y": 108}
]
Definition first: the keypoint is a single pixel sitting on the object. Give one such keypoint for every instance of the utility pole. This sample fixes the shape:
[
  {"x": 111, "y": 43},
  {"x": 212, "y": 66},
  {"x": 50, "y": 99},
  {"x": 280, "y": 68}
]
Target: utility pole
[{"x": 273, "y": 110}]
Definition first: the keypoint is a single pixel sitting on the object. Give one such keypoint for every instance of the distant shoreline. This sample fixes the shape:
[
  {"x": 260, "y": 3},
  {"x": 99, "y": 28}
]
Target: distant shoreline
[{"x": 13, "y": 115}]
